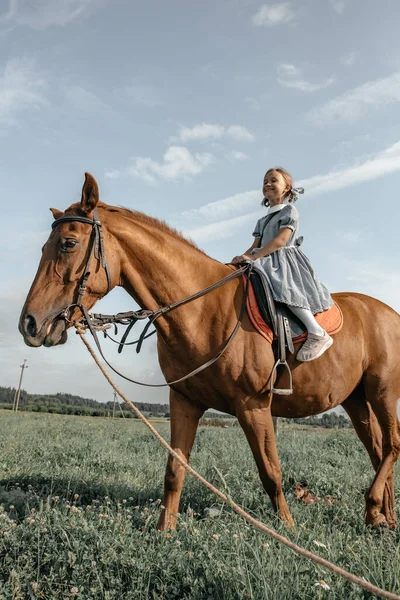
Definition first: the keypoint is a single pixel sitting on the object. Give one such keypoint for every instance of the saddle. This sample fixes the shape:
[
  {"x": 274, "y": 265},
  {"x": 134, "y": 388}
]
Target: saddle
[{"x": 280, "y": 327}]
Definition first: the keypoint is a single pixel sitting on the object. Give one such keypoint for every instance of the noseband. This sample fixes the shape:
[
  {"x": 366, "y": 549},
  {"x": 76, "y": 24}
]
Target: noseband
[{"x": 96, "y": 246}]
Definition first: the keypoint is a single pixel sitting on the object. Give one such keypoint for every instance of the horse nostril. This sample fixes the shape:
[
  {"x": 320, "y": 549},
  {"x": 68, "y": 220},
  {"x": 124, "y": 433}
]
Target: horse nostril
[{"x": 30, "y": 325}]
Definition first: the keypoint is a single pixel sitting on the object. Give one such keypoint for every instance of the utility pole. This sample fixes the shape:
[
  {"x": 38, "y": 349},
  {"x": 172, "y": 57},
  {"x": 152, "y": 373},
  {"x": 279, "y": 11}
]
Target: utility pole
[
  {"x": 115, "y": 399},
  {"x": 18, "y": 392}
]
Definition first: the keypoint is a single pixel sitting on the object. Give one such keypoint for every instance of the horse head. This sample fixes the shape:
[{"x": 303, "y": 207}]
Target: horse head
[{"x": 62, "y": 281}]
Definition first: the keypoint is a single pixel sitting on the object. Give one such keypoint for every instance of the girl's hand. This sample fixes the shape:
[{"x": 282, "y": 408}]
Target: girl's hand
[{"x": 239, "y": 259}]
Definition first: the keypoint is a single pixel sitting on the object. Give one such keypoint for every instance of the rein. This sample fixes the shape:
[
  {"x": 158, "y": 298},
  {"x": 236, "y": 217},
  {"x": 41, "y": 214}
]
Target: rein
[{"x": 98, "y": 321}]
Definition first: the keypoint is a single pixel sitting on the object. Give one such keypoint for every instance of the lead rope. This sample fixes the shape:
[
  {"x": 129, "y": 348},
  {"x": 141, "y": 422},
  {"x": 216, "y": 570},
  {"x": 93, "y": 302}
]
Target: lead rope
[{"x": 255, "y": 522}]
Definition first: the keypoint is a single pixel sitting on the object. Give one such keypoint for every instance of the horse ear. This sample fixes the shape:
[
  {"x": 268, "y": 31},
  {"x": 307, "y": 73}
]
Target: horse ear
[
  {"x": 90, "y": 194},
  {"x": 56, "y": 213}
]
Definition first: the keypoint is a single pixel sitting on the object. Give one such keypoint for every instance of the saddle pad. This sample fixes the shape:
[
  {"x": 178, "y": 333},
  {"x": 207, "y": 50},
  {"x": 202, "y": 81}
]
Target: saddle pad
[{"x": 331, "y": 320}]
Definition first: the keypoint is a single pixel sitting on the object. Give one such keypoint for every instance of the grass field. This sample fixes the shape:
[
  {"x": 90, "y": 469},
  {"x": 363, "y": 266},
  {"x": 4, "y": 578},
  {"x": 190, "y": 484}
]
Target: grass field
[{"x": 80, "y": 500}]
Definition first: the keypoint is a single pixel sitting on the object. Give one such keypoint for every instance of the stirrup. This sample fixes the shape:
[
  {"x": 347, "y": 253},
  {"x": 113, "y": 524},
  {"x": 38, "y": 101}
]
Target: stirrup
[{"x": 279, "y": 392}]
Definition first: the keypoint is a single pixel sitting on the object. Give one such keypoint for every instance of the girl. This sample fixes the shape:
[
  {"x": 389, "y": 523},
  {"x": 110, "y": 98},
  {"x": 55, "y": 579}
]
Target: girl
[{"x": 276, "y": 252}]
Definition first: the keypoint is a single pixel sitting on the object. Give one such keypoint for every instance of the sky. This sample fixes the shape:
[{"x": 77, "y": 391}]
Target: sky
[{"x": 178, "y": 108}]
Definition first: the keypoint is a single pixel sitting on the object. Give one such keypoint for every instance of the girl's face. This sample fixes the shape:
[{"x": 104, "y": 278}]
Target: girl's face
[{"x": 274, "y": 187}]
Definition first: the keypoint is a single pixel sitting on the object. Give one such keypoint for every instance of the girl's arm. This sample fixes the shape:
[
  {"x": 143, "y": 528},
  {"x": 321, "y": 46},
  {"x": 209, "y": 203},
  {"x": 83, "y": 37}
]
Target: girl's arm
[
  {"x": 278, "y": 242},
  {"x": 243, "y": 257}
]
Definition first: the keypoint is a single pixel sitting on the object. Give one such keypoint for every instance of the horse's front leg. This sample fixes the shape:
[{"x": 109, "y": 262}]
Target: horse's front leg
[
  {"x": 256, "y": 420},
  {"x": 184, "y": 422}
]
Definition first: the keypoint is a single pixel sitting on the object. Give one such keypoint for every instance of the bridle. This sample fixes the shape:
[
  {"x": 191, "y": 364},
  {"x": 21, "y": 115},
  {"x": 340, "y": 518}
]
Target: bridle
[
  {"x": 98, "y": 321},
  {"x": 96, "y": 247}
]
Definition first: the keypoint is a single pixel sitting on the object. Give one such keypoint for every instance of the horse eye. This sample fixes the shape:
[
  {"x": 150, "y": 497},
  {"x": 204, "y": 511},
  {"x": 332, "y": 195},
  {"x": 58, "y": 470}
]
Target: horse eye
[{"x": 67, "y": 245}]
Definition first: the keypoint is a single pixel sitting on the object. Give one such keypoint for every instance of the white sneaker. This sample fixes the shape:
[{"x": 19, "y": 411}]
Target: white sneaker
[{"x": 314, "y": 347}]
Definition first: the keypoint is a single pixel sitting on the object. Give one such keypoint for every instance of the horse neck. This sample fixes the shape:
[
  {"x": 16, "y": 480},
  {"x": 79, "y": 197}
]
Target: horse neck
[{"x": 159, "y": 268}]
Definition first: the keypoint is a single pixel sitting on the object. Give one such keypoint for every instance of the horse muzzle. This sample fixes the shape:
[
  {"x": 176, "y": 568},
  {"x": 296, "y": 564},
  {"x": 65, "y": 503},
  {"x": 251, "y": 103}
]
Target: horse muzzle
[{"x": 50, "y": 332}]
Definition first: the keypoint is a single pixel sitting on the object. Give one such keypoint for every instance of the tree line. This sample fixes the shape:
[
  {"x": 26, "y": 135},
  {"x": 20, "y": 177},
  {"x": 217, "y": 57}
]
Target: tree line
[
  {"x": 329, "y": 420},
  {"x": 69, "y": 404}
]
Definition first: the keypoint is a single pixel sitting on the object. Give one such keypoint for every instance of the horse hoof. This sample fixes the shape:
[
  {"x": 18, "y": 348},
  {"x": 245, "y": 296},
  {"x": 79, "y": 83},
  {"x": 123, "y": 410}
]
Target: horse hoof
[{"x": 378, "y": 523}]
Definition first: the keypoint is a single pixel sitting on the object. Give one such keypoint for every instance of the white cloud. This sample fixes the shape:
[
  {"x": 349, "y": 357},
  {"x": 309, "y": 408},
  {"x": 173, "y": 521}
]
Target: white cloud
[
  {"x": 260, "y": 103},
  {"x": 338, "y": 6},
  {"x": 237, "y": 155},
  {"x": 203, "y": 131},
  {"x": 378, "y": 165},
  {"x": 291, "y": 76},
  {"x": 82, "y": 99},
  {"x": 40, "y": 14},
  {"x": 209, "y": 131},
  {"x": 273, "y": 14},
  {"x": 354, "y": 236},
  {"x": 220, "y": 209},
  {"x": 240, "y": 133},
  {"x": 143, "y": 94},
  {"x": 21, "y": 87},
  {"x": 348, "y": 59},
  {"x": 224, "y": 229},
  {"x": 178, "y": 163},
  {"x": 113, "y": 174},
  {"x": 357, "y": 102}
]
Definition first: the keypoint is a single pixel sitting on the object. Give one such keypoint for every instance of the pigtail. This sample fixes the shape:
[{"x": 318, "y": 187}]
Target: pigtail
[{"x": 293, "y": 194}]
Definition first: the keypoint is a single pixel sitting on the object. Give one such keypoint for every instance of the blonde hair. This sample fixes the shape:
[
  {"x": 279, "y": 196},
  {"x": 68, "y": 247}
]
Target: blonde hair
[{"x": 288, "y": 180}]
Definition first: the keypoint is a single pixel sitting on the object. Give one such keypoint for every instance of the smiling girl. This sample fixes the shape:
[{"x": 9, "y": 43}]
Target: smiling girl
[{"x": 276, "y": 251}]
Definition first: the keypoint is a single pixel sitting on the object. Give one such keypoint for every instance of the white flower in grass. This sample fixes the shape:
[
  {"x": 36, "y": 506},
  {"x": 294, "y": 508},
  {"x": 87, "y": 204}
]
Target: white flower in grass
[
  {"x": 323, "y": 584},
  {"x": 319, "y": 544}
]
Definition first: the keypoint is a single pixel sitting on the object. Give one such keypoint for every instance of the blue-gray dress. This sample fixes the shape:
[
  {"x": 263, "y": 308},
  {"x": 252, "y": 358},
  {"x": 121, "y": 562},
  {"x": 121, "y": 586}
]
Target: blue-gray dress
[{"x": 292, "y": 279}]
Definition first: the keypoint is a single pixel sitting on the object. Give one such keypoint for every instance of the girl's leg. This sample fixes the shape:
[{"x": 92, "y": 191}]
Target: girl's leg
[
  {"x": 318, "y": 341},
  {"x": 305, "y": 315}
]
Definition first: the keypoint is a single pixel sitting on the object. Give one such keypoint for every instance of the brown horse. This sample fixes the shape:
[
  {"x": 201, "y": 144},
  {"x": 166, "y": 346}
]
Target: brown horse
[{"x": 157, "y": 266}]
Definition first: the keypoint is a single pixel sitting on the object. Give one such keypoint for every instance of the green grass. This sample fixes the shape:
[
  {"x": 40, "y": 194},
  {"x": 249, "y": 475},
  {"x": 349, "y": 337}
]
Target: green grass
[{"x": 81, "y": 497}]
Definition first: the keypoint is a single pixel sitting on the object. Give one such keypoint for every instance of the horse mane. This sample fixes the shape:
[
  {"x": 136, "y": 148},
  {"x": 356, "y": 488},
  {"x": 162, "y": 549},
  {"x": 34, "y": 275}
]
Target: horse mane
[{"x": 159, "y": 224}]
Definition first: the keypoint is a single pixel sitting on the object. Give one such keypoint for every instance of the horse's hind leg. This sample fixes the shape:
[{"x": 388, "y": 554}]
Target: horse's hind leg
[
  {"x": 368, "y": 430},
  {"x": 382, "y": 391},
  {"x": 256, "y": 421}
]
